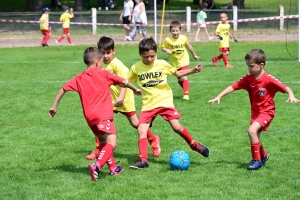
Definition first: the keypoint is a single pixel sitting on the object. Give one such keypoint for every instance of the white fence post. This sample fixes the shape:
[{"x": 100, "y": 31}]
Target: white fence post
[
  {"x": 94, "y": 21},
  {"x": 188, "y": 19},
  {"x": 235, "y": 17},
  {"x": 281, "y": 20}
]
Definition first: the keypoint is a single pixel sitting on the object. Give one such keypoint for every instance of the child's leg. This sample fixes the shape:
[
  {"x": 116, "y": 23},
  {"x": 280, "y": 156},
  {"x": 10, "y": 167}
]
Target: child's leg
[
  {"x": 96, "y": 152},
  {"x": 184, "y": 83},
  {"x": 132, "y": 34},
  {"x": 61, "y": 38},
  {"x": 144, "y": 32},
  {"x": 107, "y": 149},
  {"x": 69, "y": 38},
  {"x": 197, "y": 34},
  {"x": 206, "y": 32},
  {"x": 254, "y": 140},
  {"x": 263, "y": 153},
  {"x": 225, "y": 58}
]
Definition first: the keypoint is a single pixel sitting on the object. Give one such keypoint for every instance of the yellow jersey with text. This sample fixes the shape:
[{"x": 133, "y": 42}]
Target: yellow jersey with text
[
  {"x": 223, "y": 30},
  {"x": 44, "y": 24},
  {"x": 152, "y": 80}
]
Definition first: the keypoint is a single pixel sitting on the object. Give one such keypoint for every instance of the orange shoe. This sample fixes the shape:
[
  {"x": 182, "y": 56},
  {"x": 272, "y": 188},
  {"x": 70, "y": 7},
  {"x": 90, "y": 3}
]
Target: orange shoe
[
  {"x": 94, "y": 155},
  {"x": 228, "y": 65},
  {"x": 215, "y": 61},
  {"x": 155, "y": 146}
]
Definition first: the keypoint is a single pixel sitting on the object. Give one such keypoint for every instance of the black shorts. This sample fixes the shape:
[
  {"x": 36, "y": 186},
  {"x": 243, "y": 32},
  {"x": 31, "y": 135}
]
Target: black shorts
[{"x": 126, "y": 20}]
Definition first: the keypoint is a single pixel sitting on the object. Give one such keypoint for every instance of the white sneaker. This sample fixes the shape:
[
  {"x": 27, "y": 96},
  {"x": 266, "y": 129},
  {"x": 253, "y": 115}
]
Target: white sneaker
[
  {"x": 99, "y": 8},
  {"x": 106, "y": 8},
  {"x": 128, "y": 38},
  {"x": 56, "y": 42},
  {"x": 210, "y": 38},
  {"x": 71, "y": 44}
]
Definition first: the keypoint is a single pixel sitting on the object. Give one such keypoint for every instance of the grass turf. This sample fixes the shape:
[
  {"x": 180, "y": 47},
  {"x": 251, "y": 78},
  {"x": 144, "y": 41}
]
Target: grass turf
[{"x": 44, "y": 158}]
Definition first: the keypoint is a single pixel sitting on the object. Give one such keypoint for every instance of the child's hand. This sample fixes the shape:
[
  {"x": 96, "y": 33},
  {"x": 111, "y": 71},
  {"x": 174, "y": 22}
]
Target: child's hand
[
  {"x": 52, "y": 112},
  {"x": 118, "y": 102},
  {"x": 196, "y": 57},
  {"x": 138, "y": 92},
  {"x": 214, "y": 100},
  {"x": 198, "y": 68},
  {"x": 292, "y": 100},
  {"x": 168, "y": 51},
  {"x": 219, "y": 37},
  {"x": 71, "y": 9},
  {"x": 233, "y": 39}
]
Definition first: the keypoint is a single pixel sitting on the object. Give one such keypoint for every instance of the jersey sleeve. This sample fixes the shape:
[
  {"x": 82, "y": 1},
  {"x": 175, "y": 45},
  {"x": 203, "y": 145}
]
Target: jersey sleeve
[
  {"x": 132, "y": 75},
  {"x": 243, "y": 83},
  {"x": 113, "y": 78},
  {"x": 276, "y": 84},
  {"x": 166, "y": 43},
  {"x": 71, "y": 85}
]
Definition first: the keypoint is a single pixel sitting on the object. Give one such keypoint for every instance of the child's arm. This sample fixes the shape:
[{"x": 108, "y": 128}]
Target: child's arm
[
  {"x": 168, "y": 51},
  {"x": 228, "y": 90},
  {"x": 129, "y": 85},
  {"x": 291, "y": 98},
  {"x": 52, "y": 110},
  {"x": 186, "y": 72},
  {"x": 71, "y": 12},
  {"x": 190, "y": 48},
  {"x": 119, "y": 101}
]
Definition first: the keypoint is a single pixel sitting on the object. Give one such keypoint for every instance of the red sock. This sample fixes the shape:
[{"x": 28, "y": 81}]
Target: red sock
[
  {"x": 111, "y": 163},
  {"x": 43, "y": 41},
  {"x": 225, "y": 59},
  {"x": 219, "y": 57},
  {"x": 255, "y": 151},
  {"x": 61, "y": 38},
  {"x": 105, "y": 154},
  {"x": 47, "y": 38},
  {"x": 263, "y": 152},
  {"x": 186, "y": 136},
  {"x": 143, "y": 148},
  {"x": 69, "y": 40},
  {"x": 186, "y": 87},
  {"x": 150, "y": 136}
]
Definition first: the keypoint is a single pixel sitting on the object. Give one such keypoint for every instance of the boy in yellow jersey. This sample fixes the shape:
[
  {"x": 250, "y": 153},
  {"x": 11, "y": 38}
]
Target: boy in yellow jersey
[
  {"x": 123, "y": 99},
  {"x": 44, "y": 27},
  {"x": 65, "y": 19},
  {"x": 223, "y": 34},
  {"x": 151, "y": 76},
  {"x": 175, "y": 46}
]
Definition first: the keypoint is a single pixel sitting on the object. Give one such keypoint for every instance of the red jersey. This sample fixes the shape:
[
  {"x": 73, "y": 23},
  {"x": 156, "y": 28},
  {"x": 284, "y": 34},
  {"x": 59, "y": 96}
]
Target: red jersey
[
  {"x": 261, "y": 92},
  {"x": 93, "y": 87}
]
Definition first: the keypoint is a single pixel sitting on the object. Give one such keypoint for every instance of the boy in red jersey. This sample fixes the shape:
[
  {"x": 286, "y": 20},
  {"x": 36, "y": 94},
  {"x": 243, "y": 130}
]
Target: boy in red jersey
[
  {"x": 223, "y": 34},
  {"x": 175, "y": 46},
  {"x": 65, "y": 19},
  {"x": 151, "y": 75},
  {"x": 44, "y": 26},
  {"x": 93, "y": 87},
  {"x": 122, "y": 99},
  {"x": 261, "y": 88}
]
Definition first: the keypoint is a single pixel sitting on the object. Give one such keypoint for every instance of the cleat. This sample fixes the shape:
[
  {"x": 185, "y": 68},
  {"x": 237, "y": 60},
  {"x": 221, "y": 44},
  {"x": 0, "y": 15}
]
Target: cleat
[
  {"x": 128, "y": 38},
  {"x": 56, "y": 42},
  {"x": 200, "y": 148},
  {"x": 71, "y": 44},
  {"x": 155, "y": 146},
  {"x": 94, "y": 171},
  {"x": 228, "y": 65},
  {"x": 94, "y": 155},
  {"x": 139, "y": 165},
  {"x": 117, "y": 171},
  {"x": 186, "y": 97},
  {"x": 215, "y": 61},
  {"x": 265, "y": 159},
  {"x": 254, "y": 165},
  {"x": 45, "y": 44}
]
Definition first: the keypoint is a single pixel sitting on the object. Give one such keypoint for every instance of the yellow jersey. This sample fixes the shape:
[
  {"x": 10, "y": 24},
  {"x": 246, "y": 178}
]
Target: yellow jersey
[
  {"x": 44, "y": 24},
  {"x": 118, "y": 68},
  {"x": 179, "y": 57},
  {"x": 65, "y": 18},
  {"x": 152, "y": 80},
  {"x": 223, "y": 30}
]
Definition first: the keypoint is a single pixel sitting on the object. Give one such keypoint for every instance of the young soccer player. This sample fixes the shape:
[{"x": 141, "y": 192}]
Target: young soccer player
[
  {"x": 223, "y": 34},
  {"x": 261, "y": 88},
  {"x": 151, "y": 75},
  {"x": 175, "y": 46},
  {"x": 65, "y": 18},
  {"x": 44, "y": 26},
  {"x": 93, "y": 87},
  {"x": 122, "y": 99},
  {"x": 201, "y": 16}
]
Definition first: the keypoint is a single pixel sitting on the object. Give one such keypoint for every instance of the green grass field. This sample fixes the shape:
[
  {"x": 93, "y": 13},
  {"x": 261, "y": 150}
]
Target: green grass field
[{"x": 44, "y": 158}]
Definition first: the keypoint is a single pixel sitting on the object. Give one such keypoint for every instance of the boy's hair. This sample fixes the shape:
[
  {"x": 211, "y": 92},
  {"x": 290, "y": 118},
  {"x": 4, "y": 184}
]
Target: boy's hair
[
  {"x": 91, "y": 54},
  {"x": 257, "y": 55},
  {"x": 106, "y": 43},
  {"x": 201, "y": 7},
  {"x": 176, "y": 24},
  {"x": 147, "y": 44}
]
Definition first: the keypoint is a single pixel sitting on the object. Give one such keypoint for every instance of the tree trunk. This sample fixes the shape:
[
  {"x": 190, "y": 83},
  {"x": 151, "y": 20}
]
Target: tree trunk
[
  {"x": 35, "y": 5},
  {"x": 151, "y": 4},
  {"x": 78, "y": 5}
]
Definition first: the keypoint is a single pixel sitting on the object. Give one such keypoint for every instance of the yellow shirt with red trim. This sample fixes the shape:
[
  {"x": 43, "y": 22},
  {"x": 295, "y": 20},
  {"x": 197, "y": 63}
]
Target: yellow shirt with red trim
[
  {"x": 223, "y": 30},
  {"x": 152, "y": 80},
  {"x": 179, "y": 57},
  {"x": 65, "y": 18},
  {"x": 44, "y": 24},
  {"x": 118, "y": 68}
]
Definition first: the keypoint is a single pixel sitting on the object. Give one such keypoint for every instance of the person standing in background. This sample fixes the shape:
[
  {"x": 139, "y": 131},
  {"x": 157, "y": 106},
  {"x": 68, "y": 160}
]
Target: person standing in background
[
  {"x": 201, "y": 16},
  {"x": 126, "y": 15}
]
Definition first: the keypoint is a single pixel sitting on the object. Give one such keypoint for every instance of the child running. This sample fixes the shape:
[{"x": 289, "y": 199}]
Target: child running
[
  {"x": 261, "y": 88},
  {"x": 175, "y": 46},
  {"x": 122, "y": 99},
  {"x": 201, "y": 16},
  {"x": 151, "y": 75},
  {"x": 44, "y": 27},
  {"x": 65, "y": 19},
  {"x": 93, "y": 87},
  {"x": 223, "y": 34}
]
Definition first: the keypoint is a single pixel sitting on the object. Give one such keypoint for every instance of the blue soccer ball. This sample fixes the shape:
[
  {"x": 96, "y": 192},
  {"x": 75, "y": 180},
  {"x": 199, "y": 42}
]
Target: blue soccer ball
[{"x": 179, "y": 160}]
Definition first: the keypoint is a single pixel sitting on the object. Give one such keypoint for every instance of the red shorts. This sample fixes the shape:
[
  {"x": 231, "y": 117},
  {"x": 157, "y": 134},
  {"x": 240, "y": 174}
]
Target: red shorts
[
  {"x": 127, "y": 114},
  {"x": 46, "y": 32},
  {"x": 167, "y": 113},
  {"x": 183, "y": 68},
  {"x": 264, "y": 120},
  {"x": 106, "y": 126},
  {"x": 66, "y": 30},
  {"x": 224, "y": 49}
]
